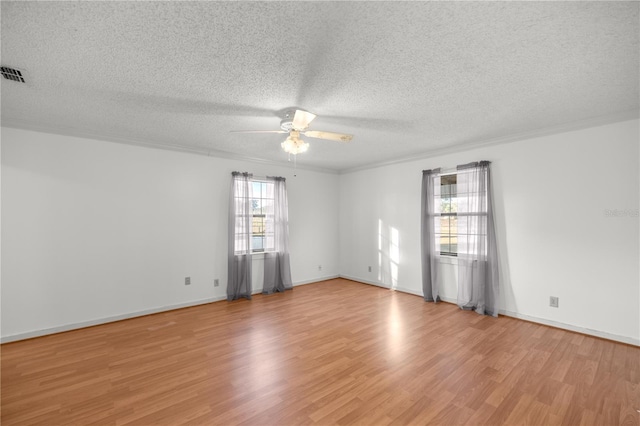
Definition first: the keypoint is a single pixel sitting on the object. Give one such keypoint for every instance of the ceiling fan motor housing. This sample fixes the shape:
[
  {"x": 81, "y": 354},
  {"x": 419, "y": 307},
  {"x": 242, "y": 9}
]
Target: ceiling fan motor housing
[{"x": 286, "y": 124}]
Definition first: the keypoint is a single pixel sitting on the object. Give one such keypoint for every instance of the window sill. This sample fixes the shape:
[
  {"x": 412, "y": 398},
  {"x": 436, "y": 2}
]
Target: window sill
[
  {"x": 260, "y": 254},
  {"x": 449, "y": 260}
]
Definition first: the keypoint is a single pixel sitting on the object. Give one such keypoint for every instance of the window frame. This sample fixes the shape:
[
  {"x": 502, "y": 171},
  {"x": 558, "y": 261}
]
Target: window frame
[
  {"x": 458, "y": 215},
  {"x": 450, "y": 215},
  {"x": 264, "y": 216}
]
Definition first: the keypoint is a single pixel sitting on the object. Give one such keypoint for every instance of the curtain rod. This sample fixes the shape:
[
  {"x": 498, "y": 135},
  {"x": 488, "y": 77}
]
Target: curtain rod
[
  {"x": 269, "y": 177},
  {"x": 450, "y": 170},
  {"x": 459, "y": 168},
  {"x": 442, "y": 171},
  {"x": 259, "y": 177}
]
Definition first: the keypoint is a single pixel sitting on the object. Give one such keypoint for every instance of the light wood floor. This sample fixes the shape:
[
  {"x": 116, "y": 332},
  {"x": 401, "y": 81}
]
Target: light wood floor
[{"x": 335, "y": 352}]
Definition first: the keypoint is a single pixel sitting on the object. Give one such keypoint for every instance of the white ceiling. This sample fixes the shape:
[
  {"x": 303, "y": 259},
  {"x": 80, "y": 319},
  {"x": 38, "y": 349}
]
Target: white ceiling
[{"x": 406, "y": 78}]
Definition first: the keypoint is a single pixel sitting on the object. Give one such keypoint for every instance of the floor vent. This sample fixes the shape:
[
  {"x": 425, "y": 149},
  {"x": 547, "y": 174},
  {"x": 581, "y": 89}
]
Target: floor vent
[{"x": 12, "y": 74}]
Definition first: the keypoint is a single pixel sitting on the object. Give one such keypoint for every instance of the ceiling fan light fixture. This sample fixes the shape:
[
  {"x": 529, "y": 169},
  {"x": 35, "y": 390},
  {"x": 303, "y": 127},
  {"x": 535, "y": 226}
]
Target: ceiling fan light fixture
[
  {"x": 296, "y": 122},
  {"x": 294, "y": 145}
]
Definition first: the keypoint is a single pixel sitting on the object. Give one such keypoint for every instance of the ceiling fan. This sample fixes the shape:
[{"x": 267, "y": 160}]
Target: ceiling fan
[{"x": 295, "y": 123}]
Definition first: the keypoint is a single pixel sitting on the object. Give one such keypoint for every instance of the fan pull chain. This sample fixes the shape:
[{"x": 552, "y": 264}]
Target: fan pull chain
[{"x": 295, "y": 164}]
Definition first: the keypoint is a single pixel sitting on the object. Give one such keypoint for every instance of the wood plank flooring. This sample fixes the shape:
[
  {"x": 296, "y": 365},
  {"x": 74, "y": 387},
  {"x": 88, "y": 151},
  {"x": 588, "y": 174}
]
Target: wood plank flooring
[{"x": 334, "y": 352}]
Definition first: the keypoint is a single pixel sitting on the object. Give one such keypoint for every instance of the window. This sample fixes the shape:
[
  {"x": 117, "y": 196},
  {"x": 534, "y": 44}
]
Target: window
[
  {"x": 262, "y": 226},
  {"x": 446, "y": 212},
  {"x": 460, "y": 214},
  {"x": 256, "y": 200}
]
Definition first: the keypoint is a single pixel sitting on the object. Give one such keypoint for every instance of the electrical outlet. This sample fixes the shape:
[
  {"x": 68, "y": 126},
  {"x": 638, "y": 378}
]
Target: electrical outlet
[
  {"x": 319, "y": 267},
  {"x": 369, "y": 268},
  {"x": 554, "y": 301},
  {"x": 187, "y": 281},
  {"x": 216, "y": 283}
]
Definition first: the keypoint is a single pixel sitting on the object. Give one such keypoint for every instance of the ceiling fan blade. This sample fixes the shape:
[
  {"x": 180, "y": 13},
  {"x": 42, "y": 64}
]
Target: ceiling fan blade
[
  {"x": 302, "y": 119},
  {"x": 318, "y": 134},
  {"x": 258, "y": 131}
]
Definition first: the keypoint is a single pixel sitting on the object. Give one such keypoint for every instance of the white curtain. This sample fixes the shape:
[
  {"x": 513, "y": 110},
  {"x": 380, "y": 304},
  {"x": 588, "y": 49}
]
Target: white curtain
[
  {"x": 277, "y": 268},
  {"x": 478, "y": 278},
  {"x": 430, "y": 264},
  {"x": 239, "y": 255}
]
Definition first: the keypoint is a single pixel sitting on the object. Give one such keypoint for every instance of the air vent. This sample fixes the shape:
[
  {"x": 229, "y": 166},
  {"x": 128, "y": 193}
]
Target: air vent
[{"x": 12, "y": 74}]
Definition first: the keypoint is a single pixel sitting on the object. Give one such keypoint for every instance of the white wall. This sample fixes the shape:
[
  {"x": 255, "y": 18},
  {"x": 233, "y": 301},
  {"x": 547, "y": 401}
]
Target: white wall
[
  {"x": 551, "y": 194},
  {"x": 94, "y": 230}
]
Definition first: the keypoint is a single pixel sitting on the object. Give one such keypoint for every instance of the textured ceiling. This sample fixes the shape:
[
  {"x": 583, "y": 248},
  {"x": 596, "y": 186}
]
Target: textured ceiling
[{"x": 406, "y": 78}]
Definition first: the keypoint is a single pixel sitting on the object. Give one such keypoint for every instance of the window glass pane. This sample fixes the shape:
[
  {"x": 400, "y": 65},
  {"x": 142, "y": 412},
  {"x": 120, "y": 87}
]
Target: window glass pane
[
  {"x": 257, "y": 243},
  {"x": 258, "y": 225},
  {"x": 444, "y": 243},
  {"x": 256, "y": 188},
  {"x": 256, "y": 206},
  {"x": 267, "y": 207},
  {"x": 269, "y": 224},
  {"x": 269, "y": 241},
  {"x": 445, "y": 205},
  {"x": 262, "y": 225},
  {"x": 453, "y": 232},
  {"x": 444, "y": 224},
  {"x": 446, "y": 227}
]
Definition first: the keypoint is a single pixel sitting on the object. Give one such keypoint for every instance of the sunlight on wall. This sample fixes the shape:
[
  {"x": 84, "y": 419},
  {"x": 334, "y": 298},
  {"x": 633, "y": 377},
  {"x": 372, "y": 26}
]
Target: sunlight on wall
[
  {"x": 394, "y": 256},
  {"x": 388, "y": 254}
]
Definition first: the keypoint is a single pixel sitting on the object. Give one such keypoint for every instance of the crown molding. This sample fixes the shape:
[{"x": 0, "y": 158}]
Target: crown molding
[
  {"x": 18, "y": 124},
  {"x": 461, "y": 147},
  {"x": 627, "y": 115}
]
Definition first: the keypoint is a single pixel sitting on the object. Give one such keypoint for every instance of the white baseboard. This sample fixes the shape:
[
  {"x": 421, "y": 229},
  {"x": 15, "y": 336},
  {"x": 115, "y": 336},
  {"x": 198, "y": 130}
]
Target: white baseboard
[
  {"x": 83, "y": 324},
  {"x": 564, "y": 326},
  {"x": 105, "y": 320},
  {"x": 363, "y": 281},
  {"x": 316, "y": 280},
  {"x": 556, "y": 324},
  {"x": 98, "y": 321}
]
